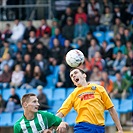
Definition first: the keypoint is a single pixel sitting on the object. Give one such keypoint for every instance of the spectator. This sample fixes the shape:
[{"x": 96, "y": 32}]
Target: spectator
[
  {"x": 82, "y": 47},
  {"x": 21, "y": 48},
  {"x": 5, "y": 77},
  {"x": 13, "y": 102},
  {"x": 7, "y": 32},
  {"x": 2, "y": 104},
  {"x": 104, "y": 4},
  {"x": 45, "y": 40},
  {"x": 32, "y": 38},
  {"x": 107, "y": 54},
  {"x": 83, "y": 4},
  {"x": 80, "y": 14},
  {"x": 5, "y": 50},
  {"x": 81, "y": 29},
  {"x": 30, "y": 50},
  {"x": 57, "y": 35},
  {"x": 130, "y": 10},
  {"x": 28, "y": 75},
  {"x": 98, "y": 61},
  {"x": 116, "y": 25},
  {"x": 17, "y": 32},
  {"x": 128, "y": 36},
  {"x": 42, "y": 63},
  {"x": 119, "y": 62},
  {"x": 63, "y": 77},
  {"x": 68, "y": 29},
  {"x": 68, "y": 13},
  {"x": 93, "y": 48},
  {"x": 38, "y": 78},
  {"x": 8, "y": 60},
  {"x": 18, "y": 59},
  {"x": 105, "y": 20},
  {"x": 28, "y": 29},
  {"x": 41, "y": 49},
  {"x": 118, "y": 47},
  {"x": 56, "y": 52},
  {"x": 43, "y": 28},
  {"x": 121, "y": 33},
  {"x": 92, "y": 6},
  {"x": 96, "y": 74},
  {"x": 17, "y": 77},
  {"x": 94, "y": 20},
  {"x": 121, "y": 87},
  {"x": 42, "y": 99},
  {"x": 26, "y": 60},
  {"x": 55, "y": 24},
  {"x": 106, "y": 82},
  {"x": 128, "y": 48}
]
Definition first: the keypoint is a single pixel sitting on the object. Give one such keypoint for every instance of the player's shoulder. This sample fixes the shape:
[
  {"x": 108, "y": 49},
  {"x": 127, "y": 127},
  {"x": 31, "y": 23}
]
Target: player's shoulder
[
  {"x": 95, "y": 86},
  {"x": 17, "y": 123}
]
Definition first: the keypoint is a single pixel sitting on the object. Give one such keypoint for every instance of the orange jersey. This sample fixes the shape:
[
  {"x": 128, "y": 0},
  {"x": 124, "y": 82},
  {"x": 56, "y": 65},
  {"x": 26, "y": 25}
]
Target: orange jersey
[{"x": 89, "y": 103}]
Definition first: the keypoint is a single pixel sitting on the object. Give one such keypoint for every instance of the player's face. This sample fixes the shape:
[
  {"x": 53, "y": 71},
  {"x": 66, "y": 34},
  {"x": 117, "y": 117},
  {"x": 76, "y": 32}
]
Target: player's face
[
  {"x": 77, "y": 77},
  {"x": 33, "y": 104}
]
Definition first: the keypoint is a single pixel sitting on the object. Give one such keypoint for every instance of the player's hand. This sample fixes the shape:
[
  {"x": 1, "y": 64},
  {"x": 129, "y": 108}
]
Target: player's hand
[
  {"x": 120, "y": 131},
  {"x": 47, "y": 131},
  {"x": 62, "y": 128}
]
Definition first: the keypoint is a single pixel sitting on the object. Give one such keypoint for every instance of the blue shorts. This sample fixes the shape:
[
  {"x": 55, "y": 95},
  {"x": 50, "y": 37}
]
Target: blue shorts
[{"x": 84, "y": 127}]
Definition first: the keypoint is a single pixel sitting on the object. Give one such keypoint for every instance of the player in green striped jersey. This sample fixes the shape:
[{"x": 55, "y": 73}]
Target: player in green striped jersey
[{"x": 34, "y": 121}]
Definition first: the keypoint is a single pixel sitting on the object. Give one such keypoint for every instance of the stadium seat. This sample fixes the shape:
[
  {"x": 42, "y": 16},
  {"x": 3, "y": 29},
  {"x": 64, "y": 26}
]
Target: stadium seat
[
  {"x": 5, "y": 119},
  {"x": 59, "y": 93},
  {"x": 16, "y": 116},
  {"x": 48, "y": 92},
  {"x": 71, "y": 117},
  {"x": 116, "y": 103},
  {"x": 99, "y": 35},
  {"x": 34, "y": 90},
  {"x": 6, "y": 94},
  {"x": 50, "y": 81},
  {"x": 21, "y": 92},
  {"x": 109, "y": 35},
  {"x": 126, "y": 105},
  {"x": 56, "y": 105},
  {"x": 108, "y": 119},
  {"x": 68, "y": 91}
]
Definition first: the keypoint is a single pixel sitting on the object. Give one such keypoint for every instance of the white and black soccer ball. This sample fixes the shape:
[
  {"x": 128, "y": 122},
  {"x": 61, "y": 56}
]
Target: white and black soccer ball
[{"x": 74, "y": 58}]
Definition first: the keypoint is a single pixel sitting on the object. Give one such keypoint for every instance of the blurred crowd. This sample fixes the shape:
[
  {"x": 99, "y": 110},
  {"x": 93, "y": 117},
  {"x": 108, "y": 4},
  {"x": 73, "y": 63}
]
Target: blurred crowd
[{"x": 27, "y": 53}]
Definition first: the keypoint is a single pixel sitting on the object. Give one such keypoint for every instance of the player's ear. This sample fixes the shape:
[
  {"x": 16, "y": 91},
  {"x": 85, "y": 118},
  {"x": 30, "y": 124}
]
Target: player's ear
[
  {"x": 84, "y": 75},
  {"x": 25, "y": 104}
]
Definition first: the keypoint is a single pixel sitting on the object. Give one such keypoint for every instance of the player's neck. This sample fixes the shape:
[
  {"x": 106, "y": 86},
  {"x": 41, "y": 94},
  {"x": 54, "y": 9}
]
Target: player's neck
[
  {"x": 29, "y": 115},
  {"x": 85, "y": 84}
]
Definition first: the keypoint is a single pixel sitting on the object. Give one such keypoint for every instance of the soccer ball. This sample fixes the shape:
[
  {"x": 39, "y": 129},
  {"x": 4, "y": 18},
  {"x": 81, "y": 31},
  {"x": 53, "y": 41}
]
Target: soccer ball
[{"x": 74, "y": 58}]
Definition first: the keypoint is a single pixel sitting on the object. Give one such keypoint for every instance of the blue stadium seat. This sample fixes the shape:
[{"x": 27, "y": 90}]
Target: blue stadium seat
[
  {"x": 21, "y": 92},
  {"x": 34, "y": 90},
  {"x": 5, "y": 119},
  {"x": 116, "y": 103},
  {"x": 109, "y": 35},
  {"x": 59, "y": 93},
  {"x": 71, "y": 117},
  {"x": 99, "y": 35},
  {"x": 126, "y": 105},
  {"x": 6, "y": 94},
  {"x": 48, "y": 92},
  {"x": 56, "y": 105},
  {"x": 16, "y": 116},
  {"x": 50, "y": 81},
  {"x": 68, "y": 91},
  {"x": 108, "y": 120}
]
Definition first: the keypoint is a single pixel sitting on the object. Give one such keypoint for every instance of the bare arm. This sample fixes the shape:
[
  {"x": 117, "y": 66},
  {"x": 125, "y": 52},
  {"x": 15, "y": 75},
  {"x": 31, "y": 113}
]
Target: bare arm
[
  {"x": 59, "y": 114},
  {"x": 114, "y": 116}
]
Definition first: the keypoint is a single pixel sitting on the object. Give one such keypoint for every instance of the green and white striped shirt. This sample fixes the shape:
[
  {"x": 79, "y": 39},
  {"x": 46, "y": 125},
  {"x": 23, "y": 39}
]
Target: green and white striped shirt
[{"x": 42, "y": 120}]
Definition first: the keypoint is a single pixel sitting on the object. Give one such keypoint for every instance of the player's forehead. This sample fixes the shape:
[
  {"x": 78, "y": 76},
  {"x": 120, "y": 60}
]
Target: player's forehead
[
  {"x": 33, "y": 98},
  {"x": 74, "y": 71}
]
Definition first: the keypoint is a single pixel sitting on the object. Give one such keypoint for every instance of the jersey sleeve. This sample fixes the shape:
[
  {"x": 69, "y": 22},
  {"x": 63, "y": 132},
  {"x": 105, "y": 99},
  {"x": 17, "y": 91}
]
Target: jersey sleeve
[
  {"x": 51, "y": 119},
  {"x": 67, "y": 105},
  {"x": 16, "y": 129},
  {"x": 106, "y": 99}
]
